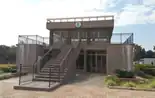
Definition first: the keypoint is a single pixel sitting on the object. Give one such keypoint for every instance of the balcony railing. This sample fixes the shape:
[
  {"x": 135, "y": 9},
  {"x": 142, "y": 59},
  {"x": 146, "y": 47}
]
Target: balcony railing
[
  {"x": 74, "y": 19},
  {"x": 121, "y": 38}
]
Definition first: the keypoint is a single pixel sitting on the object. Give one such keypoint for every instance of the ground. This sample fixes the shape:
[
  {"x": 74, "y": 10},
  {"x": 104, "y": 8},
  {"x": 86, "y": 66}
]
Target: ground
[{"x": 82, "y": 87}]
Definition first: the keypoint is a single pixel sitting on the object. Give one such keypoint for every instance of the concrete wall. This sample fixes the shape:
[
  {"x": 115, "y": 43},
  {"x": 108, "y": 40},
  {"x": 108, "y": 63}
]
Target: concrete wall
[
  {"x": 84, "y": 24},
  {"x": 98, "y": 45},
  {"x": 27, "y": 54},
  {"x": 119, "y": 57}
]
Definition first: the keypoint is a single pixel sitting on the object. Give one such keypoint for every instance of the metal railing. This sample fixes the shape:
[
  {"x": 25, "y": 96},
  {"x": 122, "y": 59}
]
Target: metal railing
[
  {"x": 25, "y": 74},
  {"x": 33, "y": 39},
  {"x": 74, "y": 19}
]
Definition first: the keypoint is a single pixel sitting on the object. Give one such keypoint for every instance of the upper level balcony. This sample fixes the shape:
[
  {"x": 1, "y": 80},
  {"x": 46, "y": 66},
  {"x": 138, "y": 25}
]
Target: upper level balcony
[{"x": 80, "y": 22}]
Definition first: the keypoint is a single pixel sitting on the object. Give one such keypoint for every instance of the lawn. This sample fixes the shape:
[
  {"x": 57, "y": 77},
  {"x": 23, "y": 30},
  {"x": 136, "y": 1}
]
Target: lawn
[
  {"x": 6, "y": 65},
  {"x": 143, "y": 76}
]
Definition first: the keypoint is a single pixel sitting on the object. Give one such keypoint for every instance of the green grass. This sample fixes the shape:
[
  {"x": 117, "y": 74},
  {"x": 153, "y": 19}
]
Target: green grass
[
  {"x": 143, "y": 84},
  {"x": 6, "y": 65}
]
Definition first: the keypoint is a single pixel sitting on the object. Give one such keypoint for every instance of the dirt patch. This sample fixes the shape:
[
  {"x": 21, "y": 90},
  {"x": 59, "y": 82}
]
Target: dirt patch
[{"x": 91, "y": 87}]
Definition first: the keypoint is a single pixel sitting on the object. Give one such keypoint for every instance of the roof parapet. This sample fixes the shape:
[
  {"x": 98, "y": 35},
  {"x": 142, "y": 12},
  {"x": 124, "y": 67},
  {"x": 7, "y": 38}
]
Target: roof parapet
[{"x": 74, "y": 19}]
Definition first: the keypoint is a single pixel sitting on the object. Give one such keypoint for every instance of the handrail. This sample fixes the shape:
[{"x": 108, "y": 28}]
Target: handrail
[
  {"x": 66, "y": 55},
  {"x": 34, "y": 68},
  {"x": 81, "y": 18},
  {"x": 46, "y": 53}
]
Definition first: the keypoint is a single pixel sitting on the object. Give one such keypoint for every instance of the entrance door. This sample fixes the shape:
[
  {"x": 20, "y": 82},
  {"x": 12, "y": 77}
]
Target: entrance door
[
  {"x": 96, "y": 62},
  {"x": 99, "y": 63}
]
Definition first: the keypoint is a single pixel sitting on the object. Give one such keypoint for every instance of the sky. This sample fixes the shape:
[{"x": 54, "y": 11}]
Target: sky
[{"x": 28, "y": 17}]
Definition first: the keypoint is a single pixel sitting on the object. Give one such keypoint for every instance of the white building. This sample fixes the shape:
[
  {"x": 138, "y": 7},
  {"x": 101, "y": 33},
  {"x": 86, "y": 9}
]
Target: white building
[{"x": 147, "y": 61}]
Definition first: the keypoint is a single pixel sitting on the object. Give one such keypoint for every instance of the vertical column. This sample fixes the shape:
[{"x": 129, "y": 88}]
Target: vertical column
[
  {"x": 85, "y": 60},
  {"x": 88, "y": 37},
  {"x": 79, "y": 36},
  {"x": 129, "y": 50},
  {"x": 96, "y": 65},
  {"x": 51, "y": 38},
  {"x": 68, "y": 37},
  {"x": 93, "y": 36}
]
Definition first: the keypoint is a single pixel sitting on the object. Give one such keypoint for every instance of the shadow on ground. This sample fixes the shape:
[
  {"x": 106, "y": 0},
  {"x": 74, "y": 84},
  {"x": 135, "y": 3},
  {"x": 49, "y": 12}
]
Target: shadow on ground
[{"x": 83, "y": 78}]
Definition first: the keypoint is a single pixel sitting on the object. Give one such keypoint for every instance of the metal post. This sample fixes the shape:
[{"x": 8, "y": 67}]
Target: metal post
[
  {"x": 33, "y": 70},
  {"x": 96, "y": 64},
  {"x": 20, "y": 70},
  {"x": 59, "y": 73},
  {"x": 85, "y": 60},
  {"x": 49, "y": 77},
  {"x": 51, "y": 38},
  {"x": 121, "y": 38}
]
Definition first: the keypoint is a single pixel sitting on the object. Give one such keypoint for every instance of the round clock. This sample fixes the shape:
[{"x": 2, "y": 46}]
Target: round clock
[{"x": 78, "y": 24}]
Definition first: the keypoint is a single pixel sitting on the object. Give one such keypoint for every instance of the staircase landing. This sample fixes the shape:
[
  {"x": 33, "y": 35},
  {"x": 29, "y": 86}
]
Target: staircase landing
[{"x": 38, "y": 86}]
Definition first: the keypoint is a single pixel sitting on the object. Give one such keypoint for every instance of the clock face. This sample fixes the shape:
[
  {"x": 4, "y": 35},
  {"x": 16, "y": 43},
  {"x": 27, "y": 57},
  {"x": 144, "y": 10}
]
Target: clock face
[{"x": 78, "y": 24}]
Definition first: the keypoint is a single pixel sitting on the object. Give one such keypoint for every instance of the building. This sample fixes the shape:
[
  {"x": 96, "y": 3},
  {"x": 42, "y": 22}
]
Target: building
[
  {"x": 147, "y": 61},
  {"x": 82, "y": 43}
]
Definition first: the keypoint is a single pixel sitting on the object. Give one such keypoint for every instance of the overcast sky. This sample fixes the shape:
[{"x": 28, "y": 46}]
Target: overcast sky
[{"x": 28, "y": 17}]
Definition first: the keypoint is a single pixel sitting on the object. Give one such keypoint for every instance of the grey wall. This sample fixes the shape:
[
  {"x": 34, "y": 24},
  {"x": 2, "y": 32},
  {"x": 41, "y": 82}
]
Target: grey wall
[
  {"x": 118, "y": 58},
  {"x": 27, "y": 54}
]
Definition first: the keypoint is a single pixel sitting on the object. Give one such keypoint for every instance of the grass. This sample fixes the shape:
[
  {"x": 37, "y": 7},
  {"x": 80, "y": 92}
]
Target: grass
[
  {"x": 144, "y": 84},
  {"x": 6, "y": 65}
]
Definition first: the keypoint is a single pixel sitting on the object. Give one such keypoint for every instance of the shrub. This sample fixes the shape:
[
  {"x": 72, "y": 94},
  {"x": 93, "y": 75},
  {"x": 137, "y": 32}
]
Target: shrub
[
  {"x": 7, "y": 69},
  {"x": 13, "y": 70},
  {"x": 113, "y": 78},
  {"x": 129, "y": 84},
  {"x": 150, "y": 71},
  {"x": 143, "y": 75},
  {"x": 1, "y": 71},
  {"x": 124, "y": 74},
  {"x": 13, "y": 67},
  {"x": 152, "y": 84},
  {"x": 143, "y": 66},
  {"x": 111, "y": 83}
]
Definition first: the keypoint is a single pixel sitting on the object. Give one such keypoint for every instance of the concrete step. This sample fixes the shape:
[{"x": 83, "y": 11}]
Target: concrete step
[
  {"x": 52, "y": 69},
  {"x": 38, "y": 86},
  {"x": 47, "y": 79},
  {"x": 47, "y": 76},
  {"x": 53, "y": 73}
]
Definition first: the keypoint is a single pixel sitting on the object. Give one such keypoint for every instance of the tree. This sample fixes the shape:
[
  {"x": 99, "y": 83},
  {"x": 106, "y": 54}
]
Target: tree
[
  {"x": 7, "y": 54},
  {"x": 139, "y": 52},
  {"x": 149, "y": 54}
]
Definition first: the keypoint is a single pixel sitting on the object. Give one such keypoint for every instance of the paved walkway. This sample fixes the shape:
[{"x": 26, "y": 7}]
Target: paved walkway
[{"x": 87, "y": 86}]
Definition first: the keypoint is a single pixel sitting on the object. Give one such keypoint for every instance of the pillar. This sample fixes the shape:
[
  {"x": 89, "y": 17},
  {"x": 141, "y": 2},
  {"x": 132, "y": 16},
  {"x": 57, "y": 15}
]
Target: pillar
[
  {"x": 129, "y": 57},
  {"x": 88, "y": 37},
  {"x": 51, "y": 38},
  {"x": 93, "y": 36},
  {"x": 85, "y": 60},
  {"x": 68, "y": 41}
]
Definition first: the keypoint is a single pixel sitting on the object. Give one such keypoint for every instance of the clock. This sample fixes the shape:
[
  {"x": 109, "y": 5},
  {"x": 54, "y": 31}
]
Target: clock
[{"x": 78, "y": 24}]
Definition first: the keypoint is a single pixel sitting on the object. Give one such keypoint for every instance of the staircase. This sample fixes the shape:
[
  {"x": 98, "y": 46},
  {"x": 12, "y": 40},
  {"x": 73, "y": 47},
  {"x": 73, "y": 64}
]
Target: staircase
[
  {"x": 60, "y": 68},
  {"x": 57, "y": 70},
  {"x": 52, "y": 68}
]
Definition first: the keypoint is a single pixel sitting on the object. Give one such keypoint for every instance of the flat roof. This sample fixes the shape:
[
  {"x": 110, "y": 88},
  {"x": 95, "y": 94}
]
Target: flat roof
[{"x": 90, "y": 18}]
